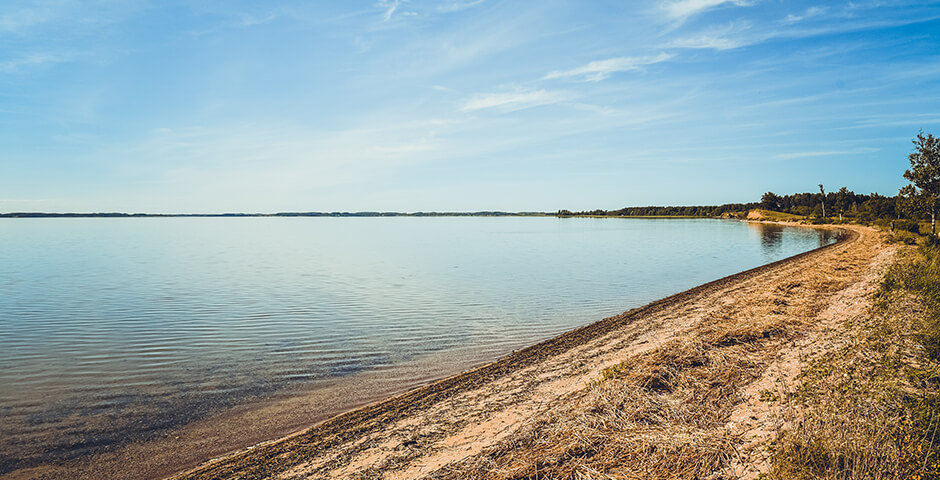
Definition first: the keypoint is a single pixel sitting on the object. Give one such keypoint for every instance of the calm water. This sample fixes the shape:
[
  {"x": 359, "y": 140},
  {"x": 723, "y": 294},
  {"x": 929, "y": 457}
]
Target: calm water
[{"x": 115, "y": 330}]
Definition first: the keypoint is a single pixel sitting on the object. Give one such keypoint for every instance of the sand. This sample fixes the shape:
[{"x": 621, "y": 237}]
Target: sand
[{"x": 453, "y": 427}]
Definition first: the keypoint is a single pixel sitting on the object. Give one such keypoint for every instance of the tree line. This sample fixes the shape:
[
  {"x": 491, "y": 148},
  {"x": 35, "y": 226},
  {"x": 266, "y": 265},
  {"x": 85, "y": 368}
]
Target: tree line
[{"x": 916, "y": 201}]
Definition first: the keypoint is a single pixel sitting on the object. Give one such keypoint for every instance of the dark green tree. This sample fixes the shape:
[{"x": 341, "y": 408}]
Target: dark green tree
[
  {"x": 842, "y": 201},
  {"x": 771, "y": 201},
  {"x": 924, "y": 176}
]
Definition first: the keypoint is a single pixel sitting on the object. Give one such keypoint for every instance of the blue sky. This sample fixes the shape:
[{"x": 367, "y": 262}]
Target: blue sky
[{"x": 222, "y": 106}]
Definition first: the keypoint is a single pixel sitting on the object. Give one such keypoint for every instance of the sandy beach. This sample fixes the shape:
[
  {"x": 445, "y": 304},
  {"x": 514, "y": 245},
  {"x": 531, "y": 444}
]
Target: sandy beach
[{"x": 680, "y": 385}]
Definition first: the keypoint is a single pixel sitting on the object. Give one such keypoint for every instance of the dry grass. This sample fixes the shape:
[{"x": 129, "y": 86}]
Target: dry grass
[
  {"x": 660, "y": 415},
  {"x": 869, "y": 410}
]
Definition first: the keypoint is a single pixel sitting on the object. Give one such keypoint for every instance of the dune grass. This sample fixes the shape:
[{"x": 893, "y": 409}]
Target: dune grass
[
  {"x": 871, "y": 409},
  {"x": 774, "y": 216}
]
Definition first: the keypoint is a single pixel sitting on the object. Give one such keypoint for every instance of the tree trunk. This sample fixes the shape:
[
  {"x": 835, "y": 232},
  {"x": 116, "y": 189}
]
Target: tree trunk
[{"x": 933, "y": 216}]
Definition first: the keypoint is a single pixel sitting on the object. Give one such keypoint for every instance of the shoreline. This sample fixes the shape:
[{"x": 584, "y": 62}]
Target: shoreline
[
  {"x": 387, "y": 406},
  {"x": 263, "y": 459}
]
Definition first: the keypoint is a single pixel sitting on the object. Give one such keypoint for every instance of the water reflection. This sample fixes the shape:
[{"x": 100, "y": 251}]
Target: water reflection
[
  {"x": 827, "y": 236},
  {"x": 771, "y": 237}
]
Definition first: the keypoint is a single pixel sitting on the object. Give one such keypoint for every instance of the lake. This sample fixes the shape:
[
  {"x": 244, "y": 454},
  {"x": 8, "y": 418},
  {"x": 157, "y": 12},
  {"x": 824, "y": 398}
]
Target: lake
[{"x": 119, "y": 330}]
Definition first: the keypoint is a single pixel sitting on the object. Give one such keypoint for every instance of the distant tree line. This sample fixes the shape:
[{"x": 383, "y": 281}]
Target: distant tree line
[
  {"x": 662, "y": 211},
  {"x": 842, "y": 203},
  {"x": 918, "y": 201}
]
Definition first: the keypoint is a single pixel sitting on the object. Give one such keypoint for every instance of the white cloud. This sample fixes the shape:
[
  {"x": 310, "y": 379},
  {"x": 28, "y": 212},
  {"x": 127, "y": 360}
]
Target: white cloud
[
  {"x": 24, "y": 18},
  {"x": 247, "y": 20},
  {"x": 717, "y": 39},
  {"x": 708, "y": 41},
  {"x": 389, "y": 6},
  {"x": 809, "y": 13},
  {"x": 457, "y": 6},
  {"x": 686, "y": 8},
  {"x": 601, "y": 69},
  {"x": 512, "y": 101},
  {"x": 830, "y": 153},
  {"x": 31, "y": 60}
]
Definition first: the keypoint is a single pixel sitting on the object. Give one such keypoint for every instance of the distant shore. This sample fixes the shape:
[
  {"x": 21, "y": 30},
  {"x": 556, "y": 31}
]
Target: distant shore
[{"x": 279, "y": 214}]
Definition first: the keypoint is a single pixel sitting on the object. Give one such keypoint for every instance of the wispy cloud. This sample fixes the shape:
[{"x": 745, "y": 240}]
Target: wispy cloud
[
  {"x": 742, "y": 34},
  {"x": 708, "y": 41},
  {"x": 601, "y": 69},
  {"x": 23, "y": 18},
  {"x": 809, "y": 13},
  {"x": 825, "y": 153},
  {"x": 32, "y": 60},
  {"x": 457, "y": 6},
  {"x": 725, "y": 38},
  {"x": 512, "y": 101},
  {"x": 252, "y": 20},
  {"x": 684, "y": 9},
  {"x": 389, "y": 6}
]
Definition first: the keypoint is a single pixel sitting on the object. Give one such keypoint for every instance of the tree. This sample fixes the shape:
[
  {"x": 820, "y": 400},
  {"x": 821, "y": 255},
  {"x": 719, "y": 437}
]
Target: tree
[
  {"x": 879, "y": 206},
  {"x": 771, "y": 201},
  {"x": 823, "y": 192},
  {"x": 842, "y": 201},
  {"x": 924, "y": 176}
]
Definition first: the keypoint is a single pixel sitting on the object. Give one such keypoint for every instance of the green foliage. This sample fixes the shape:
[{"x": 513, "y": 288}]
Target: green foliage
[
  {"x": 924, "y": 173},
  {"x": 771, "y": 201},
  {"x": 923, "y": 192},
  {"x": 905, "y": 237},
  {"x": 923, "y": 279},
  {"x": 778, "y": 216},
  {"x": 685, "y": 211},
  {"x": 907, "y": 226}
]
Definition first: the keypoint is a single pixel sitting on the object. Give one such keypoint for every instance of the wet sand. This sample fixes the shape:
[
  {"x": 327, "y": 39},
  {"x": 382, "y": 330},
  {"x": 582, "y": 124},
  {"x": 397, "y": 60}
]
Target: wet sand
[{"x": 434, "y": 429}]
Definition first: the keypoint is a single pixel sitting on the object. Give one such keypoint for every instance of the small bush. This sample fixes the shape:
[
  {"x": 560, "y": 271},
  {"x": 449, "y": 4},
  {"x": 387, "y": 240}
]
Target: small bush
[
  {"x": 907, "y": 226},
  {"x": 905, "y": 237}
]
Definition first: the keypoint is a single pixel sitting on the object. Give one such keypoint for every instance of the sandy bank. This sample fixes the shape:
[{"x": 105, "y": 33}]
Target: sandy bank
[{"x": 498, "y": 420}]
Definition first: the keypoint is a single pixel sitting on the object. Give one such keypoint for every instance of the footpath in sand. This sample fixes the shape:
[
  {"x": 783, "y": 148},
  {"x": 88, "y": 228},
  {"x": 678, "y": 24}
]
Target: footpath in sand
[{"x": 683, "y": 387}]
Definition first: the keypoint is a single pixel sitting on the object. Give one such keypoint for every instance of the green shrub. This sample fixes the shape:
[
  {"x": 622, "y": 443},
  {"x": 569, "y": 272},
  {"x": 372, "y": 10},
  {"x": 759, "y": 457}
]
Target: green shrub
[
  {"x": 905, "y": 237},
  {"x": 907, "y": 226}
]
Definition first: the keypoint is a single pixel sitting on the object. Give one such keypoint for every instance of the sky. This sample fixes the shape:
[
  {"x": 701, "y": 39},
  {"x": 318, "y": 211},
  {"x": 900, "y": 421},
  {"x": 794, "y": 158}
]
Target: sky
[{"x": 171, "y": 106}]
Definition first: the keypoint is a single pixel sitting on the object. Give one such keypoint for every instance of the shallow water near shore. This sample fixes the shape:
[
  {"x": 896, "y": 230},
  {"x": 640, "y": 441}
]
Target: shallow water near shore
[{"x": 121, "y": 330}]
